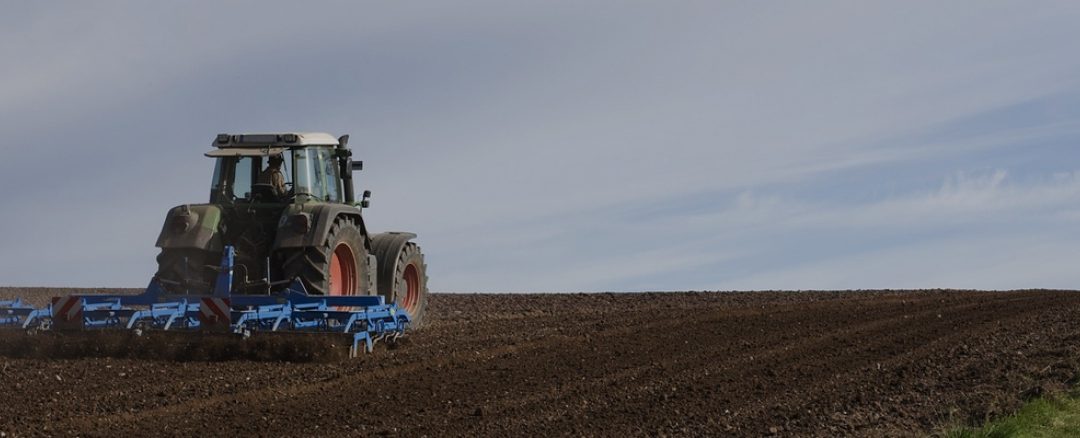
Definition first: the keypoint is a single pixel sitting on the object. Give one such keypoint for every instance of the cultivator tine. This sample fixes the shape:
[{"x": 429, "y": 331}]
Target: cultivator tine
[
  {"x": 42, "y": 317},
  {"x": 164, "y": 316},
  {"x": 16, "y": 313},
  {"x": 368, "y": 344}
]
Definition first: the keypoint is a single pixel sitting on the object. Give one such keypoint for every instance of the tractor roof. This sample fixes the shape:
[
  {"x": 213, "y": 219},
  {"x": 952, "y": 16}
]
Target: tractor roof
[{"x": 274, "y": 140}]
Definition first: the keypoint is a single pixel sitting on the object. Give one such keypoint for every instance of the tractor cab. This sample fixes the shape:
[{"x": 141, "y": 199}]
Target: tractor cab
[{"x": 315, "y": 167}]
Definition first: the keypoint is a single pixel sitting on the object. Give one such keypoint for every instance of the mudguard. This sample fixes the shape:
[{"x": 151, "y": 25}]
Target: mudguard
[
  {"x": 320, "y": 217},
  {"x": 192, "y": 227}
]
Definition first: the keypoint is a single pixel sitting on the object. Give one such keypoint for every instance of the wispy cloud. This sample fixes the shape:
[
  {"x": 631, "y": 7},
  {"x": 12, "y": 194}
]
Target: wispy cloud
[{"x": 982, "y": 230}]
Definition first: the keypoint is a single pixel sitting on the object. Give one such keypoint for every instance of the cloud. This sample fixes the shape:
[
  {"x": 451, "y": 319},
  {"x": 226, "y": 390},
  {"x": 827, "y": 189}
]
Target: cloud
[{"x": 554, "y": 145}]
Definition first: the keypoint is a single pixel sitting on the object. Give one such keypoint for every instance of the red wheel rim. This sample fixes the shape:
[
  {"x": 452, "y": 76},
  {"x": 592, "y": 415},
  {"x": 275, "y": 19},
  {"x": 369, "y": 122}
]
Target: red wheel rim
[
  {"x": 342, "y": 271},
  {"x": 412, "y": 288}
]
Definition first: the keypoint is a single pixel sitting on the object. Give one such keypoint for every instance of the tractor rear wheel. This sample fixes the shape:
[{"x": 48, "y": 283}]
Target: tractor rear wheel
[
  {"x": 337, "y": 267},
  {"x": 402, "y": 276}
]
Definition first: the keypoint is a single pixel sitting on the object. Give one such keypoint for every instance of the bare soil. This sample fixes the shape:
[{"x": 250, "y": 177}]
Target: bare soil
[{"x": 866, "y": 363}]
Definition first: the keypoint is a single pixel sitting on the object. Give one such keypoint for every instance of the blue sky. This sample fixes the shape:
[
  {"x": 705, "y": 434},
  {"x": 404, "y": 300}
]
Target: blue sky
[{"x": 571, "y": 145}]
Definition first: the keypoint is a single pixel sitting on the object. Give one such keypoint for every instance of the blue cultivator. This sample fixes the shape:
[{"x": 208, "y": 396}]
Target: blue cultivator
[{"x": 363, "y": 319}]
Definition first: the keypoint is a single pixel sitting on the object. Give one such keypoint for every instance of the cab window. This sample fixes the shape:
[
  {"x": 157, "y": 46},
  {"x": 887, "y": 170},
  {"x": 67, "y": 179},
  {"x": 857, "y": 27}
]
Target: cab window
[{"x": 316, "y": 174}]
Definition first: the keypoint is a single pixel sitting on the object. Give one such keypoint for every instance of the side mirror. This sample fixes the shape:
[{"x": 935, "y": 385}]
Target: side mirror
[
  {"x": 357, "y": 166},
  {"x": 366, "y": 201}
]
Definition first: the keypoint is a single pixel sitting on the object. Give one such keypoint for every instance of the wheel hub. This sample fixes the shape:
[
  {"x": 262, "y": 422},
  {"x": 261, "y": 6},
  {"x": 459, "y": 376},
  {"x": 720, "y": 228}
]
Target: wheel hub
[{"x": 343, "y": 275}]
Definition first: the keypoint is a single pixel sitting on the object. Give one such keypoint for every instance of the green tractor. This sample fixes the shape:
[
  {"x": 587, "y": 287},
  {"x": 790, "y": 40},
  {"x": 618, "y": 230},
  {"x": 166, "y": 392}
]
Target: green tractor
[{"x": 286, "y": 203}]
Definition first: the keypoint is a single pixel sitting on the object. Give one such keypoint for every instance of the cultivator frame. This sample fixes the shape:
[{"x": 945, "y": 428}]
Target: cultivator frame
[{"x": 366, "y": 319}]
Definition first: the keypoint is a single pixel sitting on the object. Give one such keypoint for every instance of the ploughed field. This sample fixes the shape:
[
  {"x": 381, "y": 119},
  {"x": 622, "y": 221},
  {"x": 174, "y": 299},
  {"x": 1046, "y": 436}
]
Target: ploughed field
[{"x": 786, "y": 363}]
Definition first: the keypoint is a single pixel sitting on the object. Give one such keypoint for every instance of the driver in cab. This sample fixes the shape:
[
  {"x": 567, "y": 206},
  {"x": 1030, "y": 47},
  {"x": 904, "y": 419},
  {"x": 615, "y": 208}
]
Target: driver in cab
[{"x": 273, "y": 176}]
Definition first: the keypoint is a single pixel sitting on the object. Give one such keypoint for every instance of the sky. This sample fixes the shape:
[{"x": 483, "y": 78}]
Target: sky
[{"x": 563, "y": 146}]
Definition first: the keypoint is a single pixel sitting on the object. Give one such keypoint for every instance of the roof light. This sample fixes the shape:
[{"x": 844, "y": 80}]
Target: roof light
[{"x": 257, "y": 138}]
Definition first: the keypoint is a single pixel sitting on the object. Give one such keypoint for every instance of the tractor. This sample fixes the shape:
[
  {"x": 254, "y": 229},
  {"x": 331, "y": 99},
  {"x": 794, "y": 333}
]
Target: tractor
[{"x": 305, "y": 225}]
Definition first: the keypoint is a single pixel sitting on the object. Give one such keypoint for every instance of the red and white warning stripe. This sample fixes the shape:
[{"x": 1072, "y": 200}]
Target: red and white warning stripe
[
  {"x": 67, "y": 309},
  {"x": 215, "y": 312}
]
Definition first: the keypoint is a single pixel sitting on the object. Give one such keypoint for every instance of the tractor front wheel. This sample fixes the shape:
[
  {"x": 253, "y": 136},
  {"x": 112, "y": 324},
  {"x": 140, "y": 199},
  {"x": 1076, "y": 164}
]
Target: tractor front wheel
[{"x": 402, "y": 275}]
